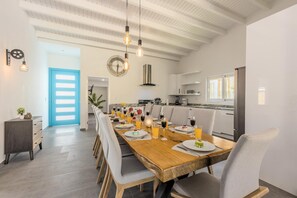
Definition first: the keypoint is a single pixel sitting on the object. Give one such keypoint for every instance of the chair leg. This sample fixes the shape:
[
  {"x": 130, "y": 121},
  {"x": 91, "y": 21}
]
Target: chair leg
[
  {"x": 210, "y": 170},
  {"x": 102, "y": 190},
  {"x": 119, "y": 191},
  {"x": 101, "y": 171},
  {"x": 108, "y": 184},
  {"x": 99, "y": 158},
  {"x": 141, "y": 187},
  {"x": 95, "y": 141},
  {"x": 95, "y": 148},
  {"x": 156, "y": 184}
]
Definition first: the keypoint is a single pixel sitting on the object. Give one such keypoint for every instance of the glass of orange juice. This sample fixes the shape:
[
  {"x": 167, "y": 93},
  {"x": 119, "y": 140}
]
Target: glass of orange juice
[
  {"x": 198, "y": 132},
  {"x": 129, "y": 119},
  {"x": 118, "y": 113},
  {"x": 138, "y": 124},
  {"x": 122, "y": 116},
  {"x": 155, "y": 131}
]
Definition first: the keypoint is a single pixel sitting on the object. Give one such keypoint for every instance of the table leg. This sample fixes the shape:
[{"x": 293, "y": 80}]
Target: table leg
[
  {"x": 31, "y": 155},
  {"x": 164, "y": 189},
  {"x": 6, "y": 158}
]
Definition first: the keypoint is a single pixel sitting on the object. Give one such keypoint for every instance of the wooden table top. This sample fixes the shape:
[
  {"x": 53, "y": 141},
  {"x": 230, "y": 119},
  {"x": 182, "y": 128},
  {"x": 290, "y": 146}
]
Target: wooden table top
[{"x": 159, "y": 157}]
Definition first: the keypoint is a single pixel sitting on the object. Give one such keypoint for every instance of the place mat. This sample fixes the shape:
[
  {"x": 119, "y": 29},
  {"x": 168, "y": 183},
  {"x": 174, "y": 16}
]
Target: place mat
[
  {"x": 147, "y": 137},
  {"x": 181, "y": 132},
  {"x": 178, "y": 147}
]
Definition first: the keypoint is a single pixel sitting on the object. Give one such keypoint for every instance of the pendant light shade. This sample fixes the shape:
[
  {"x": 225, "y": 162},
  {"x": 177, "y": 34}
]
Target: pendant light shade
[
  {"x": 126, "y": 63},
  {"x": 127, "y": 38},
  {"x": 139, "y": 51}
]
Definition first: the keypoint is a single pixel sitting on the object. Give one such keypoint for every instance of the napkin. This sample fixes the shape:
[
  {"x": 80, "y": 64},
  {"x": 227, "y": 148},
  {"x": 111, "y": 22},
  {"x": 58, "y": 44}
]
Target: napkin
[
  {"x": 182, "y": 132},
  {"x": 146, "y": 137},
  {"x": 191, "y": 152}
]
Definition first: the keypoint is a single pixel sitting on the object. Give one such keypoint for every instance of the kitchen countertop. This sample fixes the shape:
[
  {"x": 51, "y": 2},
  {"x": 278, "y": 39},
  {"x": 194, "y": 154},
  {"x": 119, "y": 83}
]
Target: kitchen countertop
[{"x": 203, "y": 106}]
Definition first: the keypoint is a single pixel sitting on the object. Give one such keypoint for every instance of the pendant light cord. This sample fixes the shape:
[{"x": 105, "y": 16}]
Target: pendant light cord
[
  {"x": 126, "y": 12},
  {"x": 139, "y": 20}
]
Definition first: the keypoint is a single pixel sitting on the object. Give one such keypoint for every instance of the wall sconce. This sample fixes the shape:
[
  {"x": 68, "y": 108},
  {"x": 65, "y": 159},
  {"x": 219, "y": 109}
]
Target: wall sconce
[{"x": 17, "y": 54}]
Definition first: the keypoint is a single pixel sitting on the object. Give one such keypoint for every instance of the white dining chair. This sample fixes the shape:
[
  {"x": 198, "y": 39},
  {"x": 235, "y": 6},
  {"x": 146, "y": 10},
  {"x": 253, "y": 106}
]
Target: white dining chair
[
  {"x": 167, "y": 111},
  {"x": 204, "y": 118},
  {"x": 156, "y": 111},
  {"x": 180, "y": 115},
  {"x": 240, "y": 176},
  {"x": 126, "y": 172}
]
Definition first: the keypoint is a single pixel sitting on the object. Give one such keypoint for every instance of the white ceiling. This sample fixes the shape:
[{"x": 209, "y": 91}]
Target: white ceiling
[{"x": 171, "y": 29}]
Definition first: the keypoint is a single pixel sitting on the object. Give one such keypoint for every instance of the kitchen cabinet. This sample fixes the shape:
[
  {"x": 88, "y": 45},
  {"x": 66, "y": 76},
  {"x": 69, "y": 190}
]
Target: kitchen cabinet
[
  {"x": 179, "y": 84},
  {"x": 224, "y": 122}
]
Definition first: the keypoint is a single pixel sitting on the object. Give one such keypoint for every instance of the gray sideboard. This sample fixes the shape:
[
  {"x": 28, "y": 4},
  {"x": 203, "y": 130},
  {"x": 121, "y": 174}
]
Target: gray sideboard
[{"x": 22, "y": 135}]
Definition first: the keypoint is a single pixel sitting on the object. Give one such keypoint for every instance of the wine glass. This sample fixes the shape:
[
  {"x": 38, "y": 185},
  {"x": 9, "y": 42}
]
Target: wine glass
[
  {"x": 142, "y": 117},
  {"x": 125, "y": 111},
  {"x": 193, "y": 121},
  {"x": 164, "y": 125},
  {"x": 147, "y": 113},
  {"x": 132, "y": 114},
  {"x": 161, "y": 116}
]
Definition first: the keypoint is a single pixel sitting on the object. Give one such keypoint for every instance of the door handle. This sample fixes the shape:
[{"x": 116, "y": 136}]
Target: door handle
[{"x": 229, "y": 113}]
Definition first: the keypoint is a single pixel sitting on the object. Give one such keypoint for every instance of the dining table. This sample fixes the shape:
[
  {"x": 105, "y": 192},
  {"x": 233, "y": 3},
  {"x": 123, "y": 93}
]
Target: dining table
[{"x": 168, "y": 159}]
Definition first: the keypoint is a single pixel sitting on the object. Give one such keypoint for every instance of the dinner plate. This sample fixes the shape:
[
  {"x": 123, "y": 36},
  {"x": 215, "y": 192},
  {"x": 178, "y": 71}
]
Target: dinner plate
[
  {"x": 186, "y": 129},
  {"x": 135, "y": 134},
  {"x": 207, "y": 146},
  {"x": 159, "y": 122},
  {"x": 124, "y": 126}
]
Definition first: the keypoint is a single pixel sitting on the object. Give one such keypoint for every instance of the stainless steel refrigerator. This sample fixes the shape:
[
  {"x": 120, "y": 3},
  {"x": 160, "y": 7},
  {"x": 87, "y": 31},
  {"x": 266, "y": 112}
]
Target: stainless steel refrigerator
[{"x": 239, "y": 102}]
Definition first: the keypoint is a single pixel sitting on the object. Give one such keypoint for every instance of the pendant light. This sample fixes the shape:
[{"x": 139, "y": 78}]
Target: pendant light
[
  {"x": 126, "y": 63},
  {"x": 139, "y": 51},
  {"x": 127, "y": 38}
]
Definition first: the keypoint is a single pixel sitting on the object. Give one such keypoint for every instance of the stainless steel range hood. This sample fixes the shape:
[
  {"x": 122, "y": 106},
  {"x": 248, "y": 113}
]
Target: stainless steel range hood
[{"x": 147, "y": 75}]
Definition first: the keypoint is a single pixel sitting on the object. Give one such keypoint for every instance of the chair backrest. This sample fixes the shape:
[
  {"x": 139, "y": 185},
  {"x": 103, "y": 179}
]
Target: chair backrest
[
  {"x": 180, "y": 115},
  {"x": 167, "y": 111},
  {"x": 205, "y": 118},
  {"x": 241, "y": 173},
  {"x": 114, "y": 158},
  {"x": 103, "y": 135},
  {"x": 156, "y": 111},
  {"x": 97, "y": 112},
  {"x": 148, "y": 108}
]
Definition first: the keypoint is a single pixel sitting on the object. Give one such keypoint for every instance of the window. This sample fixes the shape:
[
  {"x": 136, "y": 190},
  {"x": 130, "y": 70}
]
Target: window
[{"x": 220, "y": 88}]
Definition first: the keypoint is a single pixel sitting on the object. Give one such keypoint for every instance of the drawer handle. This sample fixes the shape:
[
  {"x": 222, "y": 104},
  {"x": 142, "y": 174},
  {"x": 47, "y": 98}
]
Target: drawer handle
[
  {"x": 35, "y": 133},
  {"x": 229, "y": 114},
  {"x": 35, "y": 142}
]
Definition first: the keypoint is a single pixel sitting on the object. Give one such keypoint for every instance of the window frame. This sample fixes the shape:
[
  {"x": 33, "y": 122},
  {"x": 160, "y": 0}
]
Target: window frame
[{"x": 223, "y": 76}]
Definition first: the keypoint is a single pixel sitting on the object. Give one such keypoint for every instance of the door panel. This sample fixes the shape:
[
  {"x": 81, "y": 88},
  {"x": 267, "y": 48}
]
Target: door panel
[{"x": 64, "y": 96}]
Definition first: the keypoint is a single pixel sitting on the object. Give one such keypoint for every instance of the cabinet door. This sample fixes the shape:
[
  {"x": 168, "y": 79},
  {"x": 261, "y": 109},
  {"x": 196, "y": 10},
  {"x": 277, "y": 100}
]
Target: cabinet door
[
  {"x": 172, "y": 84},
  {"x": 228, "y": 122},
  {"x": 224, "y": 122}
]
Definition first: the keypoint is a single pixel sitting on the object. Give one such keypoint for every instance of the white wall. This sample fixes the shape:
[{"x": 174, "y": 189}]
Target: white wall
[
  {"x": 126, "y": 88},
  {"x": 27, "y": 89},
  {"x": 271, "y": 64},
  {"x": 220, "y": 57},
  {"x": 63, "y": 61}
]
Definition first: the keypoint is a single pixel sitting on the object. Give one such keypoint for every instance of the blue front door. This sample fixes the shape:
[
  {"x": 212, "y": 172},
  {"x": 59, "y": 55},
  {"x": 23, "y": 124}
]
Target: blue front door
[{"x": 64, "y": 86}]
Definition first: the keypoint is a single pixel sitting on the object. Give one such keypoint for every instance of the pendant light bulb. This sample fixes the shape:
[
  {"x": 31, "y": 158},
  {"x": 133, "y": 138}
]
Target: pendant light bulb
[
  {"x": 24, "y": 67},
  {"x": 126, "y": 63},
  {"x": 127, "y": 38},
  {"x": 139, "y": 51}
]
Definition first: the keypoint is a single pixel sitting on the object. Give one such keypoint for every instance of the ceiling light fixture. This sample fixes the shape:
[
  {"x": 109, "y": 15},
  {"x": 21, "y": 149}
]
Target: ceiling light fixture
[
  {"x": 126, "y": 63},
  {"x": 17, "y": 54},
  {"x": 127, "y": 38},
  {"x": 139, "y": 51}
]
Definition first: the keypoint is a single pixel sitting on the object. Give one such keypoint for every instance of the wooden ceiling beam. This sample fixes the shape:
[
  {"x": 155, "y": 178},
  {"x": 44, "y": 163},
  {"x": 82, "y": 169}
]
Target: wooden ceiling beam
[
  {"x": 261, "y": 4},
  {"x": 179, "y": 17},
  {"x": 96, "y": 35},
  {"x": 178, "y": 42},
  {"x": 100, "y": 9},
  {"x": 78, "y": 41},
  {"x": 218, "y": 11}
]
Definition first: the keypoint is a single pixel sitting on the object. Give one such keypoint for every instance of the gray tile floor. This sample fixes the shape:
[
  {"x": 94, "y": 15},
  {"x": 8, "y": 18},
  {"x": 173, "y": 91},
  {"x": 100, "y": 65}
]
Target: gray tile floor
[{"x": 66, "y": 168}]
